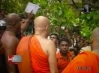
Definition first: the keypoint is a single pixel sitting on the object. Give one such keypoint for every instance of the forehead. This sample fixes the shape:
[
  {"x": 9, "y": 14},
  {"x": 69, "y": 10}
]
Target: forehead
[
  {"x": 64, "y": 42},
  {"x": 53, "y": 35}
]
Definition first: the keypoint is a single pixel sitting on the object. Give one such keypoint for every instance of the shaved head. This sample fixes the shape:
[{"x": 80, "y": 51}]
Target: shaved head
[
  {"x": 12, "y": 18},
  {"x": 41, "y": 25},
  {"x": 95, "y": 34},
  {"x": 41, "y": 22},
  {"x": 95, "y": 38}
]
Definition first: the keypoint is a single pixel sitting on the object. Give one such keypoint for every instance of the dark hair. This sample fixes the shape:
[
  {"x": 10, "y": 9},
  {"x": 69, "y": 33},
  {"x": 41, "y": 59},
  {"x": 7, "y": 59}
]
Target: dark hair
[
  {"x": 55, "y": 35},
  {"x": 75, "y": 51},
  {"x": 22, "y": 16},
  {"x": 63, "y": 39}
]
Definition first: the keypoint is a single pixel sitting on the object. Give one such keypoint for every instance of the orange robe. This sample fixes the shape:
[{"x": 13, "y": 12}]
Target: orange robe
[
  {"x": 39, "y": 59},
  {"x": 23, "y": 51},
  {"x": 62, "y": 62},
  {"x": 85, "y": 62}
]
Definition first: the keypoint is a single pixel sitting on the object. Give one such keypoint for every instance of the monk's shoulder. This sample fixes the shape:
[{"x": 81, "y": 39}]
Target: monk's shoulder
[
  {"x": 84, "y": 59},
  {"x": 25, "y": 38},
  {"x": 51, "y": 45},
  {"x": 49, "y": 42},
  {"x": 9, "y": 39},
  {"x": 80, "y": 59}
]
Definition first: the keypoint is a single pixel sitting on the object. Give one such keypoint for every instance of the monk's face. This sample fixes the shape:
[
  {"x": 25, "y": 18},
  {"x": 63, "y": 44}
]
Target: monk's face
[{"x": 64, "y": 47}]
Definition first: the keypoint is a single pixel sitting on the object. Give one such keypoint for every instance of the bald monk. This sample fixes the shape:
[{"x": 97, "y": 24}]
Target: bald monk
[
  {"x": 38, "y": 53},
  {"x": 86, "y": 62},
  {"x": 9, "y": 40}
]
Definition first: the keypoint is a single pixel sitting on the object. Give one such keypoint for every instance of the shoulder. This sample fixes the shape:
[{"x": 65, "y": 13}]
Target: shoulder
[
  {"x": 51, "y": 47},
  {"x": 79, "y": 60},
  {"x": 50, "y": 42},
  {"x": 8, "y": 40},
  {"x": 26, "y": 38}
]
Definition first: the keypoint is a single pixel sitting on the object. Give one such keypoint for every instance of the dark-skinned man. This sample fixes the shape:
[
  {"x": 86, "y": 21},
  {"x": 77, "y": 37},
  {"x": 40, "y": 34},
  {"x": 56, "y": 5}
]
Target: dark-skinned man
[
  {"x": 64, "y": 56},
  {"x": 9, "y": 40}
]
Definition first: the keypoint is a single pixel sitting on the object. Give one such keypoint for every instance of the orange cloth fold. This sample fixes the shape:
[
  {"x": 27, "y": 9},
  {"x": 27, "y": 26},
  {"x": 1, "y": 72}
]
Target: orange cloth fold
[
  {"x": 39, "y": 59},
  {"x": 23, "y": 51},
  {"x": 62, "y": 62},
  {"x": 85, "y": 62}
]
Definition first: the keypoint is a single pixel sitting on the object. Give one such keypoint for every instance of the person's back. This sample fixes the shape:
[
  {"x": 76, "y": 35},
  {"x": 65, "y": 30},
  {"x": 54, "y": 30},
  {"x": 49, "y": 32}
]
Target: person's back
[
  {"x": 39, "y": 55},
  {"x": 40, "y": 52},
  {"x": 9, "y": 40}
]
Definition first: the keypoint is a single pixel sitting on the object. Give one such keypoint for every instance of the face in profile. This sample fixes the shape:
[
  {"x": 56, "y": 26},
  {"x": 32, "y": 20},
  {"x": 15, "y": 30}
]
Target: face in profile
[
  {"x": 53, "y": 38},
  {"x": 18, "y": 27},
  {"x": 18, "y": 24},
  {"x": 64, "y": 46}
]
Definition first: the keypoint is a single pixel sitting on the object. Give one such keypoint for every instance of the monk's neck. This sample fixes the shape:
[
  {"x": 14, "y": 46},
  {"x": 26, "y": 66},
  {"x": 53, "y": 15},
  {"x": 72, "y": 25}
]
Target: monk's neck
[
  {"x": 41, "y": 35},
  {"x": 11, "y": 29},
  {"x": 10, "y": 32}
]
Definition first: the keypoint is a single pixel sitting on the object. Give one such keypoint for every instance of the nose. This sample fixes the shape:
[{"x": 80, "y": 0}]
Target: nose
[
  {"x": 52, "y": 38},
  {"x": 64, "y": 47}
]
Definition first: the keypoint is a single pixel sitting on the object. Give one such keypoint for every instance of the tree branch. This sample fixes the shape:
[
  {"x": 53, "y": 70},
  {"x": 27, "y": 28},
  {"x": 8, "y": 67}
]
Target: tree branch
[
  {"x": 74, "y": 4},
  {"x": 59, "y": 1}
]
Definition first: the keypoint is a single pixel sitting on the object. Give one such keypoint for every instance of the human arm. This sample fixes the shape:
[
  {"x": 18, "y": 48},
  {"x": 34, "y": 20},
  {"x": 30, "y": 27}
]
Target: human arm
[
  {"x": 10, "y": 49},
  {"x": 25, "y": 23},
  {"x": 52, "y": 57},
  {"x": 68, "y": 36}
]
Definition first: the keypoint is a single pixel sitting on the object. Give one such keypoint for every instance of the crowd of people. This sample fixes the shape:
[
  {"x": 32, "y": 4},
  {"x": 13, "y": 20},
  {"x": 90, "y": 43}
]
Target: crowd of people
[{"x": 43, "y": 51}]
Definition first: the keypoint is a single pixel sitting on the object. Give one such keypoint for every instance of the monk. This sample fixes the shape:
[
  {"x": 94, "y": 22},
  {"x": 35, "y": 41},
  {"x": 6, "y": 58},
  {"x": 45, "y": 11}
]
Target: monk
[
  {"x": 38, "y": 53},
  {"x": 64, "y": 56},
  {"x": 86, "y": 62},
  {"x": 9, "y": 40}
]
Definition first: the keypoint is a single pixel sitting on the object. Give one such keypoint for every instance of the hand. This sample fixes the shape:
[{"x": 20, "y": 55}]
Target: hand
[
  {"x": 66, "y": 30},
  {"x": 30, "y": 15}
]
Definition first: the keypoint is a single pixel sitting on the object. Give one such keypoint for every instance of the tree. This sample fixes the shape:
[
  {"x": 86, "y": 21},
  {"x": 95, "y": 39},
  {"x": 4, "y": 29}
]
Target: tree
[{"x": 60, "y": 13}]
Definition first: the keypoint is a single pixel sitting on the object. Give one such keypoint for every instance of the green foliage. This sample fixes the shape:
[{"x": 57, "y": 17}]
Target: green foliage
[{"x": 60, "y": 14}]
